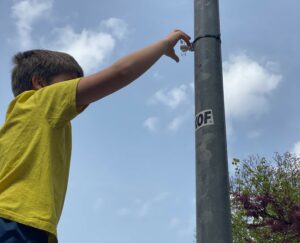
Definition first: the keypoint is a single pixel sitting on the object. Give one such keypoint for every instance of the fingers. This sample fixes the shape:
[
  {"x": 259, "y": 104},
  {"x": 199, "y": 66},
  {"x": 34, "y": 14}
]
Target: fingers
[
  {"x": 174, "y": 56},
  {"x": 184, "y": 36},
  {"x": 182, "y": 33},
  {"x": 173, "y": 38}
]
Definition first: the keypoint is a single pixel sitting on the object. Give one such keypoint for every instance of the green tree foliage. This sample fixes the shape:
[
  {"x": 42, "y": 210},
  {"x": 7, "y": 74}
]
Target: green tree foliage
[{"x": 265, "y": 199}]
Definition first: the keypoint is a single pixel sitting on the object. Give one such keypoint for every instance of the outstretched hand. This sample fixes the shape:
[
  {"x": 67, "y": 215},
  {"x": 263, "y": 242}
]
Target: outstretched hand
[{"x": 172, "y": 40}]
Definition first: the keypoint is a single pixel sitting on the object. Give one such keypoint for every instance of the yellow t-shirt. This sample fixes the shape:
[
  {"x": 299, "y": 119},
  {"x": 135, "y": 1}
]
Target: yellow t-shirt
[{"x": 35, "y": 154}]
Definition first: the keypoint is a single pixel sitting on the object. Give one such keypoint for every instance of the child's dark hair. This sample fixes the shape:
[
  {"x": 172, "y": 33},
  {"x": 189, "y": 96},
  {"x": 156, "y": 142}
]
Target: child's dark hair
[{"x": 42, "y": 63}]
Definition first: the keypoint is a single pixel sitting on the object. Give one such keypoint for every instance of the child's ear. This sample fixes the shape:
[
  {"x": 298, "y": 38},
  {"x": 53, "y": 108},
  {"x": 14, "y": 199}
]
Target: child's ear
[{"x": 37, "y": 82}]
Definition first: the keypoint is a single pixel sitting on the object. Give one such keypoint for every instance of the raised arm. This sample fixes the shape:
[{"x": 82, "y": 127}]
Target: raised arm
[{"x": 127, "y": 69}]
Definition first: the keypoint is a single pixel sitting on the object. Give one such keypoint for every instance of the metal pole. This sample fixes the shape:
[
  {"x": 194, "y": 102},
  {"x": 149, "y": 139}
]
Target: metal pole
[{"x": 213, "y": 216}]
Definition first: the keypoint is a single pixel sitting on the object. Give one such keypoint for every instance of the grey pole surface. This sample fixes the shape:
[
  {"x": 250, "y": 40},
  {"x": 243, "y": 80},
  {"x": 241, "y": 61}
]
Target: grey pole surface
[{"x": 213, "y": 216}]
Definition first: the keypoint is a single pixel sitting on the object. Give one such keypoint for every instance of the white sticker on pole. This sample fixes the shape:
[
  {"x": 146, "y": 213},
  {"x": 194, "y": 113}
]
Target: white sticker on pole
[{"x": 204, "y": 118}]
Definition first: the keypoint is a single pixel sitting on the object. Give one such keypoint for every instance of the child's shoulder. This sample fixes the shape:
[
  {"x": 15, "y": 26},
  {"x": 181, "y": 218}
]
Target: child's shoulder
[{"x": 22, "y": 100}]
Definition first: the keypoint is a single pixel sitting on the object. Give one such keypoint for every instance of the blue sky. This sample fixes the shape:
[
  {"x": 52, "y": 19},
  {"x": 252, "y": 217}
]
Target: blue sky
[{"x": 132, "y": 175}]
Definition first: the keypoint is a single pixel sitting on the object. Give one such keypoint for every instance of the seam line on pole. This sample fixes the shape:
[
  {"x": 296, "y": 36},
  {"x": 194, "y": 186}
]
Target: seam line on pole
[{"x": 217, "y": 37}]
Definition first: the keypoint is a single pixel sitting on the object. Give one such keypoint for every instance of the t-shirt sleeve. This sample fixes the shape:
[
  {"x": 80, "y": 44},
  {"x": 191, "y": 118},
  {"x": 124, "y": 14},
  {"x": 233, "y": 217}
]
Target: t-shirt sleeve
[{"x": 57, "y": 102}]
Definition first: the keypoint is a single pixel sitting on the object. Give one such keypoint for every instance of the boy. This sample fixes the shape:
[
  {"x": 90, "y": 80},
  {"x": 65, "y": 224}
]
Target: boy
[{"x": 35, "y": 140}]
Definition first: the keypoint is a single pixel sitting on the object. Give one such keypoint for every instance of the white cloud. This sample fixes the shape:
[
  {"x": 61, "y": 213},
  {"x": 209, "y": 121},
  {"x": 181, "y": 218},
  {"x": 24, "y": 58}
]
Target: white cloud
[
  {"x": 157, "y": 75},
  {"x": 26, "y": 13},
  {"x": 118, "y": 27},
  {"x": 247, "y": 85},
  {"x": 144, "y": 209},
  {"x": 147, "y": 205},
  {"x": 88, "y": 47},
  {"x": 91, "y": 47},
  {"x": 192, "y": 86},
  {"x": 123, "y": 211},
  {"x": 151, "y": 123},
  {"x": 296, "y": 149},
  {"x": 172, "y": 98},
  {"x": 176, "y": 123}
]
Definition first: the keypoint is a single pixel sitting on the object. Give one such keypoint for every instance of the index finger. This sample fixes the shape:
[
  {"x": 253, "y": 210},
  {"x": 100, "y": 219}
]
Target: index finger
[{"x": 186, "y": 38}]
